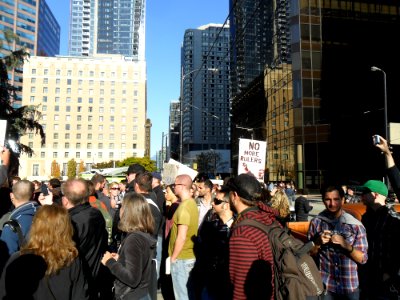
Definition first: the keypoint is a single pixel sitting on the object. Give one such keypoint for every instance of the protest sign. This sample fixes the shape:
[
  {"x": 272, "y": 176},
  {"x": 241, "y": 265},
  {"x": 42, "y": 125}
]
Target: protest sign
[{"x": 251, "y": 157}]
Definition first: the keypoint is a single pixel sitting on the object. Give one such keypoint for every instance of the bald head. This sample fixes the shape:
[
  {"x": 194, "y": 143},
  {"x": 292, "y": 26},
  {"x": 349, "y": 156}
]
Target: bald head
[
  {"x": 22, "y": 191},
  {"x": 76, "y": 191},
  {"x": 183, "y": 185}
]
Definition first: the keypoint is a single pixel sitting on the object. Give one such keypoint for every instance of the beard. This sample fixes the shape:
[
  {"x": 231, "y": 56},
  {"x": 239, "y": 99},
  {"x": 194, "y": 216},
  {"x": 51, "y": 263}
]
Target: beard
[{"x": 369, "y": 201}]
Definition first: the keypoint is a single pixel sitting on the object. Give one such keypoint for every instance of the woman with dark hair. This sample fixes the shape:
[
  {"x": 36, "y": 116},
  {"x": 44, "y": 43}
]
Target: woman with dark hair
[
  {"x": 48, "y": 265},
  {"x": 133, "y": 265}
]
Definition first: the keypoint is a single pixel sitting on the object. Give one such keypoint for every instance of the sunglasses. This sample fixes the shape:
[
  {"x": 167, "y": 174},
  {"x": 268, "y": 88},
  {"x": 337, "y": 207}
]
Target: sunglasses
[
  {"x": 115, "y": 189},
  {"x": 219, "y": 201}
]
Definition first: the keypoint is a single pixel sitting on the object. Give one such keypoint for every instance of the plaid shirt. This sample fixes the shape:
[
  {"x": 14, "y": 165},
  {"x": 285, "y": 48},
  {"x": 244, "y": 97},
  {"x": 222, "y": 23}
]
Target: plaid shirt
[{"x": 338, "y": 270}]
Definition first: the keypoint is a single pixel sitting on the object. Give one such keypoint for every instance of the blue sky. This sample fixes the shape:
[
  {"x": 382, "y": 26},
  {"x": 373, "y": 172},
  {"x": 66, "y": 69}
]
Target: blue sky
[{"x": 166, "y": 22}]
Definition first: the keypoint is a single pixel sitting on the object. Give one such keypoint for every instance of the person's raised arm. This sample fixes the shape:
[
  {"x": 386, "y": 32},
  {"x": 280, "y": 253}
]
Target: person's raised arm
[{"x": 384, "y": 147}]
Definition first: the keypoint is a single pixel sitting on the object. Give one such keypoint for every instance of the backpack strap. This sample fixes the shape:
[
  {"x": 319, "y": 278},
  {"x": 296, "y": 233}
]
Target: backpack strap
[
  {"x": 269, "y": 229},
  {"x": 16, "y": 228}
]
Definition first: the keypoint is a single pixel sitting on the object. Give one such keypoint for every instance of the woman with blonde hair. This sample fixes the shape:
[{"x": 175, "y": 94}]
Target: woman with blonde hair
[
  {"x": 134, "y": 266},
  {"x": 51, "y": 254},
  {"x": 280, "y": 202}
]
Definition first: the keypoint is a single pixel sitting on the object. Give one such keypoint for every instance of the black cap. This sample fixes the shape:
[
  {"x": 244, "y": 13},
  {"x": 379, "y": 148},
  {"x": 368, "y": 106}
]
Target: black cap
[
  {"x": 135, "y": 169},
  {"x": 246, "y": 186}
]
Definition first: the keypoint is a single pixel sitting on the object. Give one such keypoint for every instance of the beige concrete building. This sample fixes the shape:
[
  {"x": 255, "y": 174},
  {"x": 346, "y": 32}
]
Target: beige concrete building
[{"x": 93, "y": 110}]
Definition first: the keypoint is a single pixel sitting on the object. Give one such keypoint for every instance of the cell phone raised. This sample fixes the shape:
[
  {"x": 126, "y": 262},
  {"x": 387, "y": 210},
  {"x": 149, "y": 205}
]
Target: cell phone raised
[
  {"x": 376, "y": 139},
  {"x": 44, "y": 189}
]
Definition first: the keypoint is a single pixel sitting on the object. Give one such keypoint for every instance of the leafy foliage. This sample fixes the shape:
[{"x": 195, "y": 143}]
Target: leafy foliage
[
  {"x": 71, "y": 169},
  {"x": 20, "y": 120},
  {"x": 146, "y": 162},
  {"x": 208, "y": 162},
  {"x": 55, "y": 170},
  {"x": 81, "y": 167}
]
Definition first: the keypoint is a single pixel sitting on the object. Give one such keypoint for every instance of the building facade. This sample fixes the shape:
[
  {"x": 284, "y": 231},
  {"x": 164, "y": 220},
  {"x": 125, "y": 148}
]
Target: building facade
[
  {"x": 322, "y": 102},
  {"x": 93, "y": 110},
  {"x": 37, "y": 29},
  {"x": 260, "y": 37},
  {"x": 108, "y": 27},
  {"x": 205, "y": 93}
]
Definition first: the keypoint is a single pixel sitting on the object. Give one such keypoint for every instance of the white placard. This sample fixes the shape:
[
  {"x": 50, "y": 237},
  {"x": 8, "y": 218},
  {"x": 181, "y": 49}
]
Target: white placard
[
  {"x": 251, "y": 157},
  {"x": 3, "y": 128}
]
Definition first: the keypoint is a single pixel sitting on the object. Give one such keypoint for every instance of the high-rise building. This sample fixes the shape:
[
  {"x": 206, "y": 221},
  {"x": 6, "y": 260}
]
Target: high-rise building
[
  {"x": 36, "y": 28},
  {"x": 173, "y": 132},
  {"x": 93, "y": 110},
  {"x": 108, "y": 27},
  {"x": 322, "y": 104},
  {"x": 205, "y": 94}
]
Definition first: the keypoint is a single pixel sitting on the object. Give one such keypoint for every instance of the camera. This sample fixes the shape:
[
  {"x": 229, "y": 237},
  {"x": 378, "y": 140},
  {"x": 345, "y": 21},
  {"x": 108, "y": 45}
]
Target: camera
[{"x": 377, "y": 139}]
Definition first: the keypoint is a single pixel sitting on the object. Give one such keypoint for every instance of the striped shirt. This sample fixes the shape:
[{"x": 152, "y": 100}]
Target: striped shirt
[
  {"x": 250, "y": 256},
  {"x": 338, "y": 270}
]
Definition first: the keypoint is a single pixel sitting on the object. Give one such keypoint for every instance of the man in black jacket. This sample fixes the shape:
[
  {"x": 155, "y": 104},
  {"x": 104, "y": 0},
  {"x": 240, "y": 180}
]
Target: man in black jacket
[
  {"x": 302, "y": 207},
  {"x": 90, "y": 233}
]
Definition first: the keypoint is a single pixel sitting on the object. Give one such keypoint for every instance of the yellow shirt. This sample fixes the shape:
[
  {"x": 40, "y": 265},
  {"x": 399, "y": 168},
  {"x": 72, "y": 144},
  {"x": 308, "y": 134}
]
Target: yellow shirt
[{"x": 187, "y": 213}]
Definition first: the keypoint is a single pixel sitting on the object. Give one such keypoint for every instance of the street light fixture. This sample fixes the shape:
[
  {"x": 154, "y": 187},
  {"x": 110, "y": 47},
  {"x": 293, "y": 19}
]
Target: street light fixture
[
  {"x": 181, "y": 107},
  {"x": 387, "y": 134}
]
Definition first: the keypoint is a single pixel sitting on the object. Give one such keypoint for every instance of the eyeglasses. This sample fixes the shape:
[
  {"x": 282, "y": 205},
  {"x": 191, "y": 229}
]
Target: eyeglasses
[
  {"x": 219, "y": 201},
  {"x": 115, "y": 188}
]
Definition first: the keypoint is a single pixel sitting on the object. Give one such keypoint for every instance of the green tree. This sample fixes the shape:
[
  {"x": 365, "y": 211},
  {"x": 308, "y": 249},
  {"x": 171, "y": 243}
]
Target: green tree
[
  {"x": 71, "y": 169},
  {"x": 20, "y": 120},
  {"x": 208, "y": 162},
  {"x": 55, "y": 170},
  {"x": 146, "y": 162}
]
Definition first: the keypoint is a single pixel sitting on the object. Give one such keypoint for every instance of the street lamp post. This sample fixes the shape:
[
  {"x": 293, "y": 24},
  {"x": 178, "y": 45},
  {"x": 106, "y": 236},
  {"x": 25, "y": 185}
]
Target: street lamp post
[
  {"x": 387, "y": 133},
  {"x": 183, "y": 76}
]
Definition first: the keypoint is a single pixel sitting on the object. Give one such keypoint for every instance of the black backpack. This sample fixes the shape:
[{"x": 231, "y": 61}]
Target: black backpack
[
  {"x": 296, "y": 275},
  {"x": 16, "y": 228}
]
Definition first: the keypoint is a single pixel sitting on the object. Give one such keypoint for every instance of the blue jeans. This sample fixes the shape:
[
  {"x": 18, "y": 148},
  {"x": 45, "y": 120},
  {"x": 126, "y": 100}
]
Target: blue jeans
[
  {"x": 181, "y": 278},
  {"x": 333, "y": 296}
]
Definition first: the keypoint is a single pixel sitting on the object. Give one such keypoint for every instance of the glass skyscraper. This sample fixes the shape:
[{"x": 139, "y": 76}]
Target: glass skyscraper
[{"x": 108, "y": 27}]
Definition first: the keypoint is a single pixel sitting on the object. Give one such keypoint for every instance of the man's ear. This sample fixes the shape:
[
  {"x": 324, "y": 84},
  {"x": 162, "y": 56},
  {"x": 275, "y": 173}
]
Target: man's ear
[{"x": 64, "y": 201}]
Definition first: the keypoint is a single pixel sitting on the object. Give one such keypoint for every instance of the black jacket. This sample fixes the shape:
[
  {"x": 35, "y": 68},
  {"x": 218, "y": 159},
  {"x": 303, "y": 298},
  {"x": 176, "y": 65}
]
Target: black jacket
[
  {"x": 302, "y": 207},
  {"x": 90, "y": 235},
  {"x": 24, "y": 278},
  {"x": 135, "y": 268}
]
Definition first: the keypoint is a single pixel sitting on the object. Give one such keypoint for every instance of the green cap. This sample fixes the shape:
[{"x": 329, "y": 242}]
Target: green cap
[{"x": 375, "y": 186}]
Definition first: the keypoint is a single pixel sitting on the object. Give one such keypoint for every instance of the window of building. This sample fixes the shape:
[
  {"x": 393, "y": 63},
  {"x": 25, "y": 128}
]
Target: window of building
[
  {"x": 32, "y": 99},
  {"x": 78, "y": 145},
  {"x": 111, "y": 145},
  {"x": 78, "y": 136},
  {"x": 56, "y": 108},
  {"x": 58, "y": 72},
  {"x": 33, "y": 80},
  {"x": 100, "y": 137},
  {"x": 67, "y": 126},
  {"x": 56, "y": 117},
  {"x": 79, "y": 118},
  {"x": 35, "y": 169},
  {"x": 66, "y": 154},
  {"x": 33, "y": 71},
  {"x": 44, "y": 99},
  {"x": 54, "y": 154},
  {"x": 89, "y": 136},
  {"x": 42, "y": 154},
  {"x": 55, "y": 145},
  {"x": 89, "y": 145},
  {"x": 45, "y": 89},
  {"x": 58, "y": 81},
  {"x": 78, "y": 127},
  {"x": 57, "y": 90},
  {"x": 89, "y": 155},
  {"x": 134, "y": 146},
  {"x": 30, "y": 144},
  {"x": 78, "y": 155},
  {"x": 100, "y": 146},
  {"x": 67, "y": 136}
]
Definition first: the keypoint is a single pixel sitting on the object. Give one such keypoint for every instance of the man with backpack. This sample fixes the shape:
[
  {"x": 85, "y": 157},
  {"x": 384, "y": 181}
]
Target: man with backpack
[
  {"x": 22, "y": 215},
  {"x": 340, "y": 243},
  {"x": 251, "y": 259}
]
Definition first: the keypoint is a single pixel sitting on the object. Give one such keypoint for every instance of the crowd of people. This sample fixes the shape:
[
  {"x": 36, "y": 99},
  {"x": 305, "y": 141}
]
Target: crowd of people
[{"x": 91, "y": 239}]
